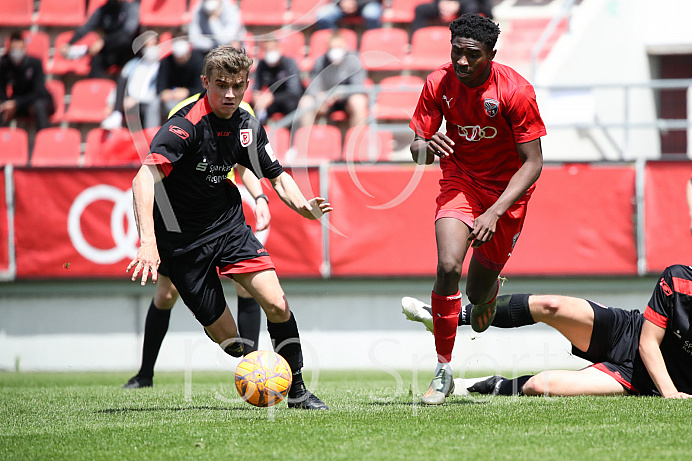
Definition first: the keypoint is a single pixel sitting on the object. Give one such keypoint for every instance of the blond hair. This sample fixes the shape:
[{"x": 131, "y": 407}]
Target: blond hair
[{"x": 226, "y": 60}]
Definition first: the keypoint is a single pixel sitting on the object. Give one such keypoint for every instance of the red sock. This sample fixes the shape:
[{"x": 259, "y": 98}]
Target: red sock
[{"x": 445, "y": 318}]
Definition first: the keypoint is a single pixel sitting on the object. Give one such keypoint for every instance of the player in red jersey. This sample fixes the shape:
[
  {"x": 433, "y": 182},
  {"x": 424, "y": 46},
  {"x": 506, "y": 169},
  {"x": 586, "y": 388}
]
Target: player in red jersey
[{"x": 490, "y": 155}]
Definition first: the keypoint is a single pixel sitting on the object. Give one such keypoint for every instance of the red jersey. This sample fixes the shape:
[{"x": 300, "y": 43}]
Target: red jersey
[{"x": 484, "y": 122}]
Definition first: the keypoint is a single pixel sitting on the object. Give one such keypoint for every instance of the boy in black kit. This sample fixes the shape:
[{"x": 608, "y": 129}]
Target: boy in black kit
[{"x": 197, "y": 226}]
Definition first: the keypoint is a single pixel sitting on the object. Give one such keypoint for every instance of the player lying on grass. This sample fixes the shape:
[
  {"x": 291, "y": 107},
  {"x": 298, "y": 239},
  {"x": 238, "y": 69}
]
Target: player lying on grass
[{"x": 632, "y": 353}]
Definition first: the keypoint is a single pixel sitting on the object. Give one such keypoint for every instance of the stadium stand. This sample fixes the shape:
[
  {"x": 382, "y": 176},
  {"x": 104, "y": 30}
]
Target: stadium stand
[
  {"x": 16, "y": 13},
  {"x": 88, "y": 101},
  {"x": 61, "y": 13},
  {"x": 163, "y": 13},
  {"x": 57, "y": 147},
  {"x": 60, "y": 65},
  {"x": 367, "y": 146},
  {"x": 384, "y": 49},
  {"x": 429, "y": 48},
  {"x": 264, "y": 13},
  {"x": 110, "y": 148},
  {"x": 37, "y": 44},
  {"x": 56, "y": 88},
  {"x": 398, "y": 105},
  {"x": 14, "y": 146},
  {"x": 303, "y": 12},
  {"x": 280, "y": 140},
  {"x": 319, "y": 43},
  {"x": 316, "y": 144},
  {"x": 401, "y": 11}
]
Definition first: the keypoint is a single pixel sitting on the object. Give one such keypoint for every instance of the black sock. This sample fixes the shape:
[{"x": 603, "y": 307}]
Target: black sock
[
  {"x": 512, "y": 312},
  {"x": 155, "y": 328},
  {"x": 249, "y": 317},
  {"x": 286, "y": 342},
  {"x": 513, "y": 386}
]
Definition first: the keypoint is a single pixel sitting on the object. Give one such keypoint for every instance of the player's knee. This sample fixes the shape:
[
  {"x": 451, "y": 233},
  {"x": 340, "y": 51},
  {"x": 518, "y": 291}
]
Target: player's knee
[
  {"x": 448, "y": 269},
  {"x": 277, "y": 311},
  {"x": 545, "y": 306},
  {"x": 536, "y": 385}
]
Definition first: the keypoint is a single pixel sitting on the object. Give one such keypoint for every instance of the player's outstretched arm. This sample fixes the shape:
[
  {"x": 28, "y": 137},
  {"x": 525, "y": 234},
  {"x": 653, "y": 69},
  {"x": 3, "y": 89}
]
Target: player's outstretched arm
[
  {"x": 650, "y": 352},
  {"x": 147, "y": 258},
  {"x": 288, "y": 191}
]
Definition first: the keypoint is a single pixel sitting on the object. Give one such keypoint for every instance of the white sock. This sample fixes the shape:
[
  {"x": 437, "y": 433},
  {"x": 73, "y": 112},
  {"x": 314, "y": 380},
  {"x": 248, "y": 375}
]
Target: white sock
[{"x": 446, "y": 366}]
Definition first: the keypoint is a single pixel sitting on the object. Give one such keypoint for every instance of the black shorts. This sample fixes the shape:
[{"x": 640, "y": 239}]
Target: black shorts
[
  {"x": 614, "y": 343},
  {"x": 195, "y": 273}
]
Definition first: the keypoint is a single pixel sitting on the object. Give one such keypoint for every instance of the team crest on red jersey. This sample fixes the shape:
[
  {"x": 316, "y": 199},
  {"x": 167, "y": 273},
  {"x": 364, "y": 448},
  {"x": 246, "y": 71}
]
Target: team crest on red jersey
[
  {"x": 491, "y": 107},
  {"x": 245, "y": 137},
  {"x": 178, "y": 131}
]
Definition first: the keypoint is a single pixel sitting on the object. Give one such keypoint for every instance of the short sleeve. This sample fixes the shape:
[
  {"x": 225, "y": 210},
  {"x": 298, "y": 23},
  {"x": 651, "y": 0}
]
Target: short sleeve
[
  {"x": 170, "y": 143},
  {"x": 524, "y": 116},
  {"x": 427, "y": 117},
  {"x": 661, "y": 304}
]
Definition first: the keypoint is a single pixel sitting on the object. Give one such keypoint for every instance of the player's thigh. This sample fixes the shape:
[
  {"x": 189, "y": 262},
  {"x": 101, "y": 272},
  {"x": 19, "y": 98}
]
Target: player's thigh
[
  {"x": 240, "y": 291},
  {"x": 224, "y": 328},
  {"x": 264, "y": 286},
  {"x": 588, "y": 381},
  {"x": 573, "y": 317},
  {"x": 451, "y": 235}
]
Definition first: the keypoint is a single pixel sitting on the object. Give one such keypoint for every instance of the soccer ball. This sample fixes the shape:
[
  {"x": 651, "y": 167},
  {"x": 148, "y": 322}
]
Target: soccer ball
[{"x": 263, "y": 378}]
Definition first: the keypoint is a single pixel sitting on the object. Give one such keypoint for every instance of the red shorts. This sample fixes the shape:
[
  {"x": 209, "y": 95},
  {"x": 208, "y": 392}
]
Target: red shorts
[{"x": 461, "y": 199}]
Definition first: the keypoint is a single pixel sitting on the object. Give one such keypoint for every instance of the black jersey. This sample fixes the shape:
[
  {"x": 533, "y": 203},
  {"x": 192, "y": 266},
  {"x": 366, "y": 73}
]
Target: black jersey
[
  {"x": 196, "y": 150},
  {"x": 670, "y": 307}
]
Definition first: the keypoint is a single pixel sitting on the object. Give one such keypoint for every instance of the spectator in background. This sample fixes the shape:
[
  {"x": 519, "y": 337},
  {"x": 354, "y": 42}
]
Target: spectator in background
[
  {"x": 24, "y": 76},
  {"x": 136, "y": 96},
  {"x": 179, "y": 74},
  {"x": 448, "y": 10},
  {"x": 339, "y": 66},
  {"x": 277, "y": 88},
  {"x": 369, "y": 10},
  {"x": 214, "y": 23},
  {"x": 117, "y": 23}
]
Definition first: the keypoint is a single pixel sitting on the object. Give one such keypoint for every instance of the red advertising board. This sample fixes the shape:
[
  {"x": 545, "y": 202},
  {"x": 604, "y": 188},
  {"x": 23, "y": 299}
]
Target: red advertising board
[
  {"x": 4, "y": 242},
  {"x": 667, "y": 218},
  {"x": 79, "y": 223}
]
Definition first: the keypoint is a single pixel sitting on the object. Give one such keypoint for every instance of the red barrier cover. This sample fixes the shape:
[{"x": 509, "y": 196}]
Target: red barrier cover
[
  {"x": 4, "y": 244},
  {"x": 667, "y": 218}
]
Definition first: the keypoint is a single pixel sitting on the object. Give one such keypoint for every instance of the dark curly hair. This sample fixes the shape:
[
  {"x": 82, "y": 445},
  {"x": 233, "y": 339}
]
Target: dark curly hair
[{"x": 477, "y": 28}]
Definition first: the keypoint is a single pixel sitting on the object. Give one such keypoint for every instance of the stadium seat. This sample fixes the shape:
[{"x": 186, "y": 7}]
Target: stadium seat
[
  {"x": 61, "y": 13},
  {"x": 319, "y": 44},
  {"x": 110, "y": 148},
  {"x": 60, "y": 65},
  {"x": 93, "y": 5},
  {"x": 430, "y": 48},
  {"x": 16, "y": 13},
  {"x": 56, "y": 88},
  {"x": 14, "y": 146},
  {"x": 293, "y": 45},
  {"x": 57, "y": 147},
  {"x": 384, "y": 49},
  {"x": 316, "y": 144},
  {"x": 89, "y": 100},
  {"x": 162, "y": 13},
  {"x": 263, "y": 13},
  {"x": 362, "y": 145},
  {"x": 37, "y": 45},
  {"x": 401, "y": 10},
  {"x": 303, "y": 12},
  {"x": 280, "y": 140},
  {"x": 398, "y": 105}
]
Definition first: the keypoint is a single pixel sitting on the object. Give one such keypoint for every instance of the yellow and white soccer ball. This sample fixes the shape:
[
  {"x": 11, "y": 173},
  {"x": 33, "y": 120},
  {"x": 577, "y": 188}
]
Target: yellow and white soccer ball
[{"x": 263, "y": 378}]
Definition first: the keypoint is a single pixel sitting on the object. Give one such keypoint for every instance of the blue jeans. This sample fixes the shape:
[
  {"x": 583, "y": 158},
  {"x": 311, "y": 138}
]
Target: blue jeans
[{"x": 329, "y": 15}]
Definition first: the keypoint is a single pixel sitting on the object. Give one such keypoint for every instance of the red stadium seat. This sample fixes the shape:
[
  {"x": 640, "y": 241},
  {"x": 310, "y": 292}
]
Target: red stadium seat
[
  {"x": 57, "y": 147},
  {"x": 89, "y": 100},
  {"x": 16, "y": 13},
  {"x": 363, "y": 145},
  {"x": 401, "y": 10},
  {"x": 384, "y": 49},
  {"x": 280, "y": 140},
  {"x": 61, "y": 13},
  {"x": 304, "y": 11},
  {"x": 162, "y": 13},
  {"x": 14, "y": 146},
  {"x": 56, "y": 88},
  {"x": 398, "y": 105},
  {"x": 37, "y": 45},
  {"x": 61, "y": 65},
  {"x": 319, "y": 44},
  {"x": 316, "y": 144},
  {"x": 430, "y": 48},
  {"x": 110, "y": 148},
  {"x": 263, "y": 13}
]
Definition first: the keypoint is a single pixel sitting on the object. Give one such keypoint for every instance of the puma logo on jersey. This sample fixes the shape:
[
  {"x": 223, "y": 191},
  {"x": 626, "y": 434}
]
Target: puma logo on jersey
[{"x": 448, "y": 101}]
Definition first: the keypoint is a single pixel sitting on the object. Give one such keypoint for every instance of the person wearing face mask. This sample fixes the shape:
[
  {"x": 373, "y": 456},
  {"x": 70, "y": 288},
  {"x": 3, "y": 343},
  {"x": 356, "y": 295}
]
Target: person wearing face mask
[
  {"x": 214, "y": 23},
  {"x": 277, "y": 87},
  {"x": 329, "y": 15},
  {"x": 117, "y": 23},
  {"x": 135, "y": 95},
  {"x": 178, "y": 76},
  {"x": 24, "y": 75},
  {"x": 338, "y": 67}
]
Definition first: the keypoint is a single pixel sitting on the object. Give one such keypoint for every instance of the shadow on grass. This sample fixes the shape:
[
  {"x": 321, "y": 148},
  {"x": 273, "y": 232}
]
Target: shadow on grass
[{"x": 190, "y": 408}]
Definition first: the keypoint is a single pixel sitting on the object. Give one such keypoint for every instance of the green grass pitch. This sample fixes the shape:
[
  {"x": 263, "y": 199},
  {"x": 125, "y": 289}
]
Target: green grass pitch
[{"x": 373, "y": 416}]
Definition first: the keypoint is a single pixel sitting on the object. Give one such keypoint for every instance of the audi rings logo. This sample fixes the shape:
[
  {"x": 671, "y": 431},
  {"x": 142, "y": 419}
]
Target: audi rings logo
[
  {"x": 125, "y": 238},
  {"x": 476, "y": 133}
]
